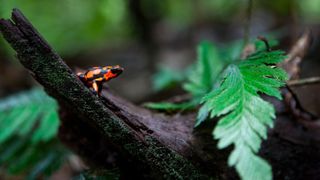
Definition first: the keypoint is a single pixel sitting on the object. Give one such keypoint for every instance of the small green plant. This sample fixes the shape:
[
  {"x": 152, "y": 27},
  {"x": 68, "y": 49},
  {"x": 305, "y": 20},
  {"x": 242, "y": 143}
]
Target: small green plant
[
  {"x": 28, "y": 142},
  {"x": 167, "y": 78},
  {"x": 200, "y": 78},
  {"x": 209, "y": 64},
  {"x": 229, "y": 88}
]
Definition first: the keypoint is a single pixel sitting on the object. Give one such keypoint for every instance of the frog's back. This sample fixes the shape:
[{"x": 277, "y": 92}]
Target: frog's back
[{"x": 95, "y": 73}]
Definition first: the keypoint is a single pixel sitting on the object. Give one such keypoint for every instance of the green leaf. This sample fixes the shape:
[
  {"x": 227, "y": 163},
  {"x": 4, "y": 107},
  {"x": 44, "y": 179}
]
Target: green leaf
[
  {"x": 23, "y": 161},
  {"x": 201, "y": 79},
  {"x": 48, "y": 127},
  {"x": 49, "y": 162},
  {"x": 170, "y": 106},
  {"x": 244, "y": 115},
  {"x": 20, "y": 113},
  {"x": 232, "y": 51},
  {"x": 206, "y": 71},
  {"x": 12, "y": 148},
  {"x": 261, "y": 46},
  {"x": 29, "y": 124},
  {"x": 12, "y": 122},
  {"x": 166, "y": 78},
  {"x": 202, "y": 115}
]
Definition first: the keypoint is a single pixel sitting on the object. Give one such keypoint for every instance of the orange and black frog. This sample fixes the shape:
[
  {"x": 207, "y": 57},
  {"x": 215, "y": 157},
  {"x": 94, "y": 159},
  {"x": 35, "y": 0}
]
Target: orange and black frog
[{"x": 96, "y": 76}]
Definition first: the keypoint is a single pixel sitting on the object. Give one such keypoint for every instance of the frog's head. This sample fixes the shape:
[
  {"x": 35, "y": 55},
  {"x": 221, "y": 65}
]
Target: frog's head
[
  {"x": 113, "y": 71},
  {"x": 116, "y": 70}
]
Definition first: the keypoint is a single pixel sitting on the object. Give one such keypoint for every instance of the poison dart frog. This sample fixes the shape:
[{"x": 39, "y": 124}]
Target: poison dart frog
[{"x": 96, "y": 76}]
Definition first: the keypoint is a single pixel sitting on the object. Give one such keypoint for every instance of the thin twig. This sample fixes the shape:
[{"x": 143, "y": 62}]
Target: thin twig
[
  {"x": 295, "y": 56},
  {"x": 300, "y": 47},
  {"x": 295, "y": 107},
  {"x": 263, "y": 39},
  {"x": 305, "y": 81}
]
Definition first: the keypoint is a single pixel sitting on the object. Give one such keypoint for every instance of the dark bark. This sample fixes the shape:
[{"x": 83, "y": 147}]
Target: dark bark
[{"x": 109, "y": 131}]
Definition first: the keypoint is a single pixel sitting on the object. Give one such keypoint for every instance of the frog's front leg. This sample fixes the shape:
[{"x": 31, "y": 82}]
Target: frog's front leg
[{"x": 95, "y": 87}]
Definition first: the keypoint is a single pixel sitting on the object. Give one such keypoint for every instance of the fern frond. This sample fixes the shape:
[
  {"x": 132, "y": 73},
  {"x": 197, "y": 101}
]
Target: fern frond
[
  {"x": 28, "y": 128},
  {"x": 206, "y": 72},
  {"x": 200, "y": 79},
  {"x": 167, "y": 78},
  {"x": 245, "y": 115},
  {"x": 20, "y": 112}
]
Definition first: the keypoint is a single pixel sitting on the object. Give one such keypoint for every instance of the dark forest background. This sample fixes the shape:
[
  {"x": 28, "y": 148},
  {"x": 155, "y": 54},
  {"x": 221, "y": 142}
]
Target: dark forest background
[{"x": 155, "y": 41}]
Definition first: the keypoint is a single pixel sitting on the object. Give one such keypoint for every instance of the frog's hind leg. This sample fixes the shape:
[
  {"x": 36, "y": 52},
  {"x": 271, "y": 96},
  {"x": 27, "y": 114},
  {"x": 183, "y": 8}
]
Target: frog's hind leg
[{"x": 81, "y": 76}]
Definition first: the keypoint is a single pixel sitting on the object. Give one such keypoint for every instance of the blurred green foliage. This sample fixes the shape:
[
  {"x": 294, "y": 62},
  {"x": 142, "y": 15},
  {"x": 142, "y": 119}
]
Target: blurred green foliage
[
  {"x": 206, "y": 71},
  {"x": 29, "y": 121},
  {"x": 167, "y": 106},
  {"x": 200, "y": 77},
  {"x": 73, "y": 25},
  {"x": 166, "y": 78},
  {"x": 310, "y": 10},
  {"x": 28, "y": 142}
]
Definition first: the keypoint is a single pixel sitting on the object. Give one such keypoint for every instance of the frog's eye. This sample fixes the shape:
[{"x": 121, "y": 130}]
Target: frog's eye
[{"x": 116, "y": 70}]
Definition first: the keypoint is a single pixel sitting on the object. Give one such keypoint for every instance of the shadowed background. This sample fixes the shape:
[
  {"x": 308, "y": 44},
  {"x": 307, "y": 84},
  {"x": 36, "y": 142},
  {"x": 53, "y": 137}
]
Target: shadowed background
[{"x": 155, "y": 41}]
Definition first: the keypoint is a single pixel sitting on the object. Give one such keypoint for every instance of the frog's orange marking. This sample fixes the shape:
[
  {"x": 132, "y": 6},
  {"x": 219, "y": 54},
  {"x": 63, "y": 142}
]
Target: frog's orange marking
[
  {"x": 109, "y": 75},
  {"x": 99, "y": 79},
  {"x": 91, "y": 73},
  {"x": 96, "y": 76},
  {"x": 107, "y": 67},
  {"x": 95, "y": 86}
]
